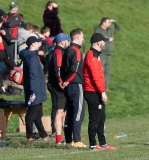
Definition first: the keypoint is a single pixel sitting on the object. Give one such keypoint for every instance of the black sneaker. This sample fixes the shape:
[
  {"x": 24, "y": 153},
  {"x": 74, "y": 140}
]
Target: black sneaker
[
  {"x": 62, "y": 142},
  {"x": 6, "y": 93}
]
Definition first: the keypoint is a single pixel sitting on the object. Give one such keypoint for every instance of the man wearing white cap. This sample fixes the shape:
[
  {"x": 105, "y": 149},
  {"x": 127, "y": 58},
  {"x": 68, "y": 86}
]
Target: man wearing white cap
[{"x": 55, "y": 85}]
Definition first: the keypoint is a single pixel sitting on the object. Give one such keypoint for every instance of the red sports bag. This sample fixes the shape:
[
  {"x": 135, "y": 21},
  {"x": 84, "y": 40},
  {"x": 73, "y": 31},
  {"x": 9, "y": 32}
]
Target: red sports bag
[{"x": 16, "y": 75}]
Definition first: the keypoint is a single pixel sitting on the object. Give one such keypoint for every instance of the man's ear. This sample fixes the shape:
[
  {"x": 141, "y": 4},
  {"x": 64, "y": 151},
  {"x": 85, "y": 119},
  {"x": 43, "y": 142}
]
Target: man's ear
[
  {"x": 62, "y": 42},
  {"x": 98, "y": 43}
]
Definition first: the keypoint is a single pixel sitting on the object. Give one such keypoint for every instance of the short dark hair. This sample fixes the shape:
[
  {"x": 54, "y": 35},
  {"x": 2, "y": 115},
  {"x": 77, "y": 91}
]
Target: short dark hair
[
  {"x": 29, "y": 26},
  {"x": 36, "y": 28},
  {"x": 48, "y": 4},
  {"x": 1, "y": 20},
  {"x": 75, "y": 32},
  {"x": 45, "y": 30},
  {"x": 103, "y": 20}
]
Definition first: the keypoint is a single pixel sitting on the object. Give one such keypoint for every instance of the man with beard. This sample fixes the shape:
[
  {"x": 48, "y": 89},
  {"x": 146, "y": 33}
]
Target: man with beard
[{"x": 94, "y": 92}]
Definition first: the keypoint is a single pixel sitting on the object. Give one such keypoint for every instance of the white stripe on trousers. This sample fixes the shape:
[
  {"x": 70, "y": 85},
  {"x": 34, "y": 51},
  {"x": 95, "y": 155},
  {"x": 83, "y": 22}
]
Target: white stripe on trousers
[{"x": 80, "y": 102}]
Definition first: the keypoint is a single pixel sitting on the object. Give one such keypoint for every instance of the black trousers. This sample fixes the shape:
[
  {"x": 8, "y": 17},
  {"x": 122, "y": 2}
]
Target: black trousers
[
  {"x": 96, "y": 110},
  {"x": 34, "y": 114}
]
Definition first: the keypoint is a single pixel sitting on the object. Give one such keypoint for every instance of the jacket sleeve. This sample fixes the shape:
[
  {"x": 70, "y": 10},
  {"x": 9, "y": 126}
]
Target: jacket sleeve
[
  {"x": 50, "y": 14},
  {"x": 6, "y": 37},
  {"x": 97, "y": 74},
  {"x": 44, "y": 46},
  {"x": 116, "y": 28},
  {"x": 74, "y": 65},
  {"x": 57, "y": 59},
  {"x": 33, "y": 74}
]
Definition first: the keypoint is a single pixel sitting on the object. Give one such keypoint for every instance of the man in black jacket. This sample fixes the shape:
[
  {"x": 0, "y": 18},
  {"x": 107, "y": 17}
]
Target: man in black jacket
[
  {"x": 55, "y": 85},
  {"x": 73, "y": 81}
]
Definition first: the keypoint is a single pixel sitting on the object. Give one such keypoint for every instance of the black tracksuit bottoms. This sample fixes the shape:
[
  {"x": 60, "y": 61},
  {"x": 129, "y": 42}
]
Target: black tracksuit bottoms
[
  {"x": 75, "y": 112},
  {"x": 96, "y": 110},
  {"x": 34, "y": 114}
]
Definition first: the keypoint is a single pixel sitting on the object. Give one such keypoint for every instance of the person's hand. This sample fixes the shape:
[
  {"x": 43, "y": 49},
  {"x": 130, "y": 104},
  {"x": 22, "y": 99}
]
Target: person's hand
[
  {"x": 65, "y": 84},
  {"x": 41, "y": 53},
  {"x": 32, "y": 97},
  {"x": 54, "y": 5},
  {"x": 62, "y": 86},
  {"x": 111, "y": 39},
  {"x": 2, "y": 32},
  {"x": 1, "y": 40},
  {"x": 104, "y": 96},
  {"x": 112, "y": 20}
]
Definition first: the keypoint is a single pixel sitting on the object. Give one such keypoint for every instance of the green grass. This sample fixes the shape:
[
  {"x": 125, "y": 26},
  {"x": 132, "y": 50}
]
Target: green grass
[
  {"x": 133, "y": 147},
  {"x": 127, "y": 105}
]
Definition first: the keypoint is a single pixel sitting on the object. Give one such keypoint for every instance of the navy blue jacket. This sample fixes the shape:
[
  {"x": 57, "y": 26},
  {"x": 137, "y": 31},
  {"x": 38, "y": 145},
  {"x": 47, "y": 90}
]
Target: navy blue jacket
[
  {"x": 33, "y": 77},
  {"x": 2, "y": 68}
]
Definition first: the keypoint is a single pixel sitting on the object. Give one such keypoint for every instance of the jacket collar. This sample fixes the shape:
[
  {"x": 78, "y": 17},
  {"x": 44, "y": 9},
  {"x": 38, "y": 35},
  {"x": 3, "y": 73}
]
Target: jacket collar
[
  {"x": 74, "y": 44},
  {"x": 95, "y": 52},
  {"x": 59, "y": 47}
]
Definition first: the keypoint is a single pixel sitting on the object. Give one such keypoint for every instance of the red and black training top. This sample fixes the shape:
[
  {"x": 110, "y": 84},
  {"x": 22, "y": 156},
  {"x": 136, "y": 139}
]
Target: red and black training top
[
  {"x": 54, "y": 66},
  {"x": 71, "y": 70},
  {"x": 12, "y": 22},
  {"x": 93, "y": 72}
]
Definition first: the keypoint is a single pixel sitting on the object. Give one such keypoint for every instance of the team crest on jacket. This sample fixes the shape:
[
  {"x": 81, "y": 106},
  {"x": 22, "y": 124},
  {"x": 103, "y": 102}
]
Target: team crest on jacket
[
  {"x": 93, "y": 59},
  {"x": 98, "y": 58}
]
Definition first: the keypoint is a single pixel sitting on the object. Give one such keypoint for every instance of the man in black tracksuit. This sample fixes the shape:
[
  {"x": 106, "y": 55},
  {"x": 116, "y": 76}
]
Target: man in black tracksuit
[
  {"x": 55, "y": 86},
  {"x": 73, "y": 81}
]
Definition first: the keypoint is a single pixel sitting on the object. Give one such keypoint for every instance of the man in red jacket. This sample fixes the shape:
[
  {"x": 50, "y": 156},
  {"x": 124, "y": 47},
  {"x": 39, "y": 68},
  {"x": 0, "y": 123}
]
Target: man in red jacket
[
  {"x": 12, "y": 22},
  {"x": 94, "y": 92}
]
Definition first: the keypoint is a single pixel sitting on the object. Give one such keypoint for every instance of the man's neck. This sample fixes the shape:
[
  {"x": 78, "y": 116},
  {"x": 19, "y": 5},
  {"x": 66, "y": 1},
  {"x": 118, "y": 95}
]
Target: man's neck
[
  {"x": 96, "y": 48},
  {"x": 76, "y": 42},
  {"x": 103, "y": 27},
  {"x": 32, "y": 49}
]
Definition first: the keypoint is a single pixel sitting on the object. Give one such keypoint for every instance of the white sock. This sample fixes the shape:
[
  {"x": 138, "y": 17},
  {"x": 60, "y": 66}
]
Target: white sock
[{"x": 3, "y": 88}]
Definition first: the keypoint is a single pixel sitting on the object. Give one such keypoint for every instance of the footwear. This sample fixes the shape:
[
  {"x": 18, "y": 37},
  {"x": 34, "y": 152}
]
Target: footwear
[
  {"x": 62, "y": 142},
  {"x": 31, "y": 139},
  {"x": 70, "y": 144},
  {"x": 47, "y": 138},
  {"x": 6, "y": 93},
  {"x": 103, "y": 147},
  {"x": 53, "y": 135},
  {"x": 108, "y": 147},
  {"x": 79, "y": 144},
  {"x": 35, "y": 135},
  {"x": 97, "y": 148}
]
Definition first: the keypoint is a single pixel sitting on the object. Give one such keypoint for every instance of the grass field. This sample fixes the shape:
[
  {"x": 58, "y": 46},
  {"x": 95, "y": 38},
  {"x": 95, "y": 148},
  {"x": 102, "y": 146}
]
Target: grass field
[
  {"x": 127, "y": 107},
  {"x": 133, "y": 147}
]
